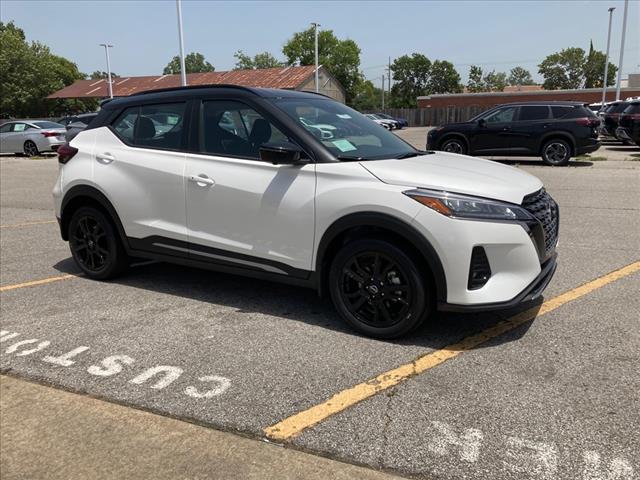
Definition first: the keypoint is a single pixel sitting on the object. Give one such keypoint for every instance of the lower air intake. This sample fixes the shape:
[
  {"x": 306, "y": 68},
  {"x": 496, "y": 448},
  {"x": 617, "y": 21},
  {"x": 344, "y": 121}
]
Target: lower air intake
[{"x": 479, "y": 270}]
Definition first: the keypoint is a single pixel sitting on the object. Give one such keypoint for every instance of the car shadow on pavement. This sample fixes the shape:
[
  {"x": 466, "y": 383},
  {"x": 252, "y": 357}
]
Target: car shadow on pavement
[
  {"x": 248, "y": 295},
  {"x": 540, "y": 163}
]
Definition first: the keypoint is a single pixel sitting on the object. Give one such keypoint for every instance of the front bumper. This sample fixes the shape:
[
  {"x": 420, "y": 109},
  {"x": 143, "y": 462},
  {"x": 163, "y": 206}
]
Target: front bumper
[{"x": 531, "y": 293}]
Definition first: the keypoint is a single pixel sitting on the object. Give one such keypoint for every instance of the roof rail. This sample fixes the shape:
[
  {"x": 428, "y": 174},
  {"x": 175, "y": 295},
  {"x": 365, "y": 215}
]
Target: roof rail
[{"x": 189, "y": 87}]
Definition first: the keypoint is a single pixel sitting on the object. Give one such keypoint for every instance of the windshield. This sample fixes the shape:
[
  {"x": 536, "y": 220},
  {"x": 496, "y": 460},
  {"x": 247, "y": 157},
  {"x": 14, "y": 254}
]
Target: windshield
[
  {"x": 347, "y": 134},
  {"x": 48, "y": 125}
]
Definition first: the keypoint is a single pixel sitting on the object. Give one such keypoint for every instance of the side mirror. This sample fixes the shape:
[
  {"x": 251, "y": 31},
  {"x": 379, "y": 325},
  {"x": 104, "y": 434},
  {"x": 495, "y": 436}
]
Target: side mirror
[
  {"x": 281, "y": 153},
  {"x": 482, "y": 123}
]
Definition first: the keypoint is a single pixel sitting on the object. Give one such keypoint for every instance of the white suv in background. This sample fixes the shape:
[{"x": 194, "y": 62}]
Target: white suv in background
[{"x": 231, "y": 179}]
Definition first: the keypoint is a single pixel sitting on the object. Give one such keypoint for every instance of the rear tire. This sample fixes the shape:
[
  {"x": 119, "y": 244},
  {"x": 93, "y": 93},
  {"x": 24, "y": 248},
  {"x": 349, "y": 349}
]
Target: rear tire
[
  {"x": 95, "y": 244},
  {"x": 556, "y": 152},
  {"x": 454, "y": 145},
  {"x": 378, "y": 290},
  {"x": 30, "y": 149}
]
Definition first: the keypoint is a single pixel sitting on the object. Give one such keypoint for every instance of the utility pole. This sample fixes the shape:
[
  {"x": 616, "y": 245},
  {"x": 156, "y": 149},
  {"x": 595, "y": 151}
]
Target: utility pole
[
  {"x": 106, "y": 51},
  {"x": 183, "y": 72},
  {"x": 606, "y": 61},
  {"x": 624, "y": 31},
  {"x": 315, "y": 26},
  {"x": 383, "y": 91},
  {"x": 389, "y": 82}
]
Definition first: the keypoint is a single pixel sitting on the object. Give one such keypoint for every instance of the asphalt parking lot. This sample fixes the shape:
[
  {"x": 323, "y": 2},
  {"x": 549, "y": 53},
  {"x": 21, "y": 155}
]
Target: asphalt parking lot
[{"x": 548, "y": 393}]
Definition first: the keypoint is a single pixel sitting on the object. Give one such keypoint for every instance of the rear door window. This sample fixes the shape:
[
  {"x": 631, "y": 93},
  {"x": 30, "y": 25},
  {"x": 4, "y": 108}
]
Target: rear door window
[
  {"x": 152, "y": 126},
  {"x": 631, "y": 109},
  {"x": 533, "y": 112}
]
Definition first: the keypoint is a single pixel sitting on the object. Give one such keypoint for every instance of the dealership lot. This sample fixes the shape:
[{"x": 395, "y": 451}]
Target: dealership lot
[{"x": 556, "y": 397}]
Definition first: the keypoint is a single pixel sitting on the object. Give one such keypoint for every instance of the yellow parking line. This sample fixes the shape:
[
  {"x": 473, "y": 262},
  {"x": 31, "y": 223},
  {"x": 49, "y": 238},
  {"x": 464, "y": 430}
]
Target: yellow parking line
[
  {"x": 26, "y": 224},
  {"x": 295, "y": 424},
  {"x": 34, "y": 283}
]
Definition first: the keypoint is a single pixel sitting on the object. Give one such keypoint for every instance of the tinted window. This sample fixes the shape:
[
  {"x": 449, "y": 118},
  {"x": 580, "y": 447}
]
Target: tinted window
[
  {"x": 48, "y": 124},
  {"x": 152, "y": 126},
  {"x": 618, "y": 108},
  {"x": 234, "y": 129},
  {"x": 633, "y": 108},
  {"x": 534, "y": 112},
  {"x": 6, "y": 128},
  {"x": 566, "y": 112},
  {"x": 502, "y": 115},
  {"x": 87, "y": 119}
]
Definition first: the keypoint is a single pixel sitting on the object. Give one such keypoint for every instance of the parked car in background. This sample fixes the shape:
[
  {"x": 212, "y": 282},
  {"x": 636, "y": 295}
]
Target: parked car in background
[
  {"x": 402, "y": 122},
  {"x": 31, "y": 137},
  {"x": 389, "y": 232},
  {"x": 628, "y": 121},
  {"x": 77, "y": 124},
  {"x": 610, "y": 116},
  {"x": 388, "y": 124},
  {"x": 556, "y": 131}
]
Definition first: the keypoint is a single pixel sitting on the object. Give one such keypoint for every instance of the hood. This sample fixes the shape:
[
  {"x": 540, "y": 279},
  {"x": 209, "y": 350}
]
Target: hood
[{"x": 457, "y": 174}]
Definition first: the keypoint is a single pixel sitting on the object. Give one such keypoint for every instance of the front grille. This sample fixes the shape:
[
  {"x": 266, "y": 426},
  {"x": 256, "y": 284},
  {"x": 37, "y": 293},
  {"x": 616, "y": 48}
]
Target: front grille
[{"x": 545, "y": 210}]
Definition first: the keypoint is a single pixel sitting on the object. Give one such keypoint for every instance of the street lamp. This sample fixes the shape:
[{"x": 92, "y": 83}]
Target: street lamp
[
  {"x": 624, "y": 31},
  {"x": 606, "y": 60},
  {"x": 106, "y": 51},
  {"x": 315, "y": 26},
  {"x": 183, "y": 72}
]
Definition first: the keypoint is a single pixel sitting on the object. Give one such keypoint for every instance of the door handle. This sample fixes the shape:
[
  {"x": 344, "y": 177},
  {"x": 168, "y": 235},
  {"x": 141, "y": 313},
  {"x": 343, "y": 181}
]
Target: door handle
[
  {"x": 105, "y": 158},
  {"x": 202, "y": 180}
]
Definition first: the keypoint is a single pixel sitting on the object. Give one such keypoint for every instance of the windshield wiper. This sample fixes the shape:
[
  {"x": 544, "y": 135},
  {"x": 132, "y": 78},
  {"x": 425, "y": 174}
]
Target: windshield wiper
[
  {"x": 345, "y": 158},
  {"x": 417, "y": 153}
]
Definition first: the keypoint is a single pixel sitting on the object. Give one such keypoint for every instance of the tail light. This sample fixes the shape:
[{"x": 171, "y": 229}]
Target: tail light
[
  {"x": 50, "y": 134},
  {"x": 66, "y": 153},
  {"x": 588, "y": 122}
]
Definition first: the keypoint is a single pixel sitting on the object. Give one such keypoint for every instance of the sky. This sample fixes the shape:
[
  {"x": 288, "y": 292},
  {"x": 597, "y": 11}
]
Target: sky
[{"x": 492, "y": 34}]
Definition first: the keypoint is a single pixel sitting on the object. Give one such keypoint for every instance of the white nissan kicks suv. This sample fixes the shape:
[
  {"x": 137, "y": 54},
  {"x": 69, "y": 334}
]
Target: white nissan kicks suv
[{"x": 240, "y": 181}]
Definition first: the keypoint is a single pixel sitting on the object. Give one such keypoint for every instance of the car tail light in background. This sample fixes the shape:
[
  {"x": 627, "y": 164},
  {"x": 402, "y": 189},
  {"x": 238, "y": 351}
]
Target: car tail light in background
[
  {"x": 66, "y": 153},
  {"x": 588, "y": 121},
  {"x": 50, "y": 134}
]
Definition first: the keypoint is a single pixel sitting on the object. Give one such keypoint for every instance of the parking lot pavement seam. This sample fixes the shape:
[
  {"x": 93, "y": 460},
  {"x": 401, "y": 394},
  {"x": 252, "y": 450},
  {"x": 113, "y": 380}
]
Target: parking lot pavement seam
[
  {"x": 27, "y": 224},
  {"x": 42, "y": 281},
  {"x": 295, "y": 424}
]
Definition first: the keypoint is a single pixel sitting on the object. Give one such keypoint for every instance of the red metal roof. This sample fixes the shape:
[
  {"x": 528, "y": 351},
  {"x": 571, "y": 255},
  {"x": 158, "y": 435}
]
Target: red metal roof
[{"x": 281, "y": 77}]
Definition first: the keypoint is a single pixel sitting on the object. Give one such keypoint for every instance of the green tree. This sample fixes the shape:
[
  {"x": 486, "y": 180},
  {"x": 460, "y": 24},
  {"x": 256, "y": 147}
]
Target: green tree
[
  {"x": 475, "y": 83},
  {"x": 194, "y": 62},
  {"x": 29, "y": 72},
  {"x": 100, "y": 74},
  {"x": 260, "y": 60},
  {"x": 594, "y": 69},
  {"x": 495, "y": 81},
  {"x": 340, "y": 57},
  {"x": 367, "y": 97},
  {"x": 520, "y": 76},
  {"x": 564, "y": 69},
  {"x": 410, "y": 76},
  {"x": 443, "y": 78}
]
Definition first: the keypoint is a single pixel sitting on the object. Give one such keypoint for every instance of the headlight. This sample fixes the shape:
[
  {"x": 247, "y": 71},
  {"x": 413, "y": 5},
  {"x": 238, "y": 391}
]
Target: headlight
[{"x": 464, "y": 206}]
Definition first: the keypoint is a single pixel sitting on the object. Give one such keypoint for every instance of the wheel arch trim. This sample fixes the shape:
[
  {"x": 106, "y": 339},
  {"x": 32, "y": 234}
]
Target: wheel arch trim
[{"x": 386, "y": 222}]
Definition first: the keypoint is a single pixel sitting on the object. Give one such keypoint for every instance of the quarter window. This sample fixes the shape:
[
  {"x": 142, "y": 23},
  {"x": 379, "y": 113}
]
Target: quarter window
[
  {"x": 152, "y": 126},
  {"x": 534, "y": 112},
  {"x": 234, "y": 129}
]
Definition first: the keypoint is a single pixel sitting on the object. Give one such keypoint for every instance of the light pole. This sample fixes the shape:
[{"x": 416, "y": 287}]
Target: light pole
[
  {"x": 183, "y": 72},
  {"x": 624, "y": 31},
  {"x": 106, "y": 51},
  {"x": 315, "y": 26},
  {"x": 606, "y": 60},
  {"x": 382, "y": 91}
]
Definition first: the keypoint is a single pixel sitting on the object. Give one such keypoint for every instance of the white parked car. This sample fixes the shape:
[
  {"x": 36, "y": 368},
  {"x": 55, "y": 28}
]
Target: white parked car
[
  {"x": 389, "y": 232},
  {"x": 388, "y": 124},
  {"x": 31, "y": 137}
]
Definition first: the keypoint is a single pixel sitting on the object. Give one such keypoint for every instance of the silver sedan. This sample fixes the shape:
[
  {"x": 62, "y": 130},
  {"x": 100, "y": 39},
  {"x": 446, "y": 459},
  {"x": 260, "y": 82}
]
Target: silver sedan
[{"x": 31, "y": 137}]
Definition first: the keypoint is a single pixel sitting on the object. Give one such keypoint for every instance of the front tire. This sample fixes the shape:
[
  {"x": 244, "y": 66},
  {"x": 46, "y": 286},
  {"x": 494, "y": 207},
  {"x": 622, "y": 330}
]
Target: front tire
[
  {"x": 556, "y": 152},
  {"x": 378, "y": 290},
  {"x": 95, "y": 244},
  {"x": 30, "y": 149},
  {"x": 454, "y": 145}
]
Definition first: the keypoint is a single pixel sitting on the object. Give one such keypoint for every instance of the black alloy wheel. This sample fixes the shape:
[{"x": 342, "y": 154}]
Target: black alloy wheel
[
  {"x": 30, "y": 149},
  {"x": 454, "y": 145},
  {"x": 94, "y": 244},
  {"x": 556, "y": 152},
  {"x": 377, "y": 289}
]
